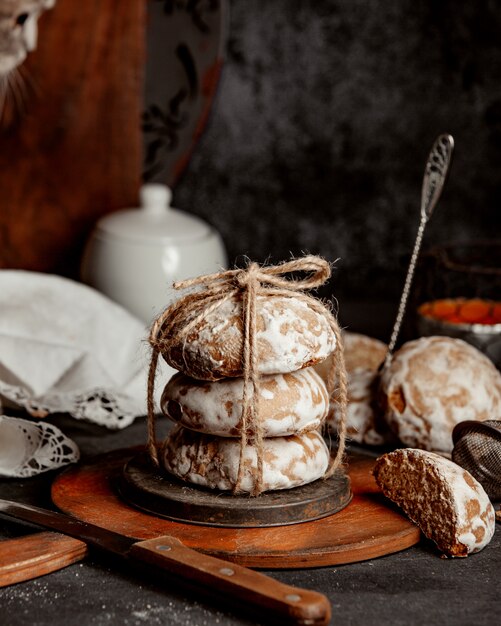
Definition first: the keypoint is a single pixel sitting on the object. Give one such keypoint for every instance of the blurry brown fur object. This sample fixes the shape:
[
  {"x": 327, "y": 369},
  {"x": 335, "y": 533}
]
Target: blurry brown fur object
[
  {"x": 18, "y": 36},
  {"x": 76, "y": 153},
  {"x": 18, "y": 30}
]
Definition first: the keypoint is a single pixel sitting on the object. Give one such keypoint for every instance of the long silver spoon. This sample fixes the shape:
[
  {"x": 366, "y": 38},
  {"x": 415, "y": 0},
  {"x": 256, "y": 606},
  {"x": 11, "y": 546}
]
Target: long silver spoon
[{"x": 435, "y": 175}]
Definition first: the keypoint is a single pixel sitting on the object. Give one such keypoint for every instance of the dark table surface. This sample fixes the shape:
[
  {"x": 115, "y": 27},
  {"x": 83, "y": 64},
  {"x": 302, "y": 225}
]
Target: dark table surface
[{"x": 414, "y": 586}]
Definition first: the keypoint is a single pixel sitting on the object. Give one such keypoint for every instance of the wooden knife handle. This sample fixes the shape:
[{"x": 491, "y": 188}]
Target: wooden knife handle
[
  {"x": 34, "y": 555},
  {"x": 288, "y": 605}
]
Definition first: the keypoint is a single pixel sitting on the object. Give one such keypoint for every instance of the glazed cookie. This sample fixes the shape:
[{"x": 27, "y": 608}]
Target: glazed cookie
[
  {"x": 444, "y": 500},
  {"x": 433, "y": 383},
  {"x": 213, "y": 462},
  {"x": 363, "y": 353},
  {"x": 363, "y": 356},
  {"x": 291, "y": 334},
  {"x": 288, "y": 403},
  {"x": 364, "y": 422}
]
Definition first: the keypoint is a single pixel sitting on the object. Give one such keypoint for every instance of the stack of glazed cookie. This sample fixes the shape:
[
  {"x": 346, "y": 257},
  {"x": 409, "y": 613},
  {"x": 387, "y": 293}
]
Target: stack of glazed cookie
[{"x": 247, "y": 402}]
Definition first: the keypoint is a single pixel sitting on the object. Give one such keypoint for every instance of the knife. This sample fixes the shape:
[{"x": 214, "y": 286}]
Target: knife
[{"x": 253, "y": 590}]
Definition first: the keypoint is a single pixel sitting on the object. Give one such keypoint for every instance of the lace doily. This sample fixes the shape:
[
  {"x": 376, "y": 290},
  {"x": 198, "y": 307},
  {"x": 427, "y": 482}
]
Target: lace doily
[
  {"x": 29, "y": 448},
  {"x": 99, "y": 406}
]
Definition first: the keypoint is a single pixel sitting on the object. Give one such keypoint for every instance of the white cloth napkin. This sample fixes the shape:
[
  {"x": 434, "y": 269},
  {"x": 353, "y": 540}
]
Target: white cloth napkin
[{"x": 64, "y": 347}]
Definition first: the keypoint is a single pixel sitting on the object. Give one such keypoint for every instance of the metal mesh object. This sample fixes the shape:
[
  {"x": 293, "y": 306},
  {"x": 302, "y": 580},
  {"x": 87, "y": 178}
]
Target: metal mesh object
[{"x": 477, "y": 448}]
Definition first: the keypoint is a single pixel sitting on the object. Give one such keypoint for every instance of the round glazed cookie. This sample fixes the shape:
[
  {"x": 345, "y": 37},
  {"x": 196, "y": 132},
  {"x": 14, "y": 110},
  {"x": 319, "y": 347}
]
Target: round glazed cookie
[
  {"x": 433, "y": 383},
  {"x": 290, "y": 335},
  {"x": 363, "y": 353},
  {"x": 444, "y": 500},
  {"x": 213, "y": 462},
  {"x": 363, "y": 356},
  {"x": 364, "y": 420},
  {"x": 288, "y": 403}
]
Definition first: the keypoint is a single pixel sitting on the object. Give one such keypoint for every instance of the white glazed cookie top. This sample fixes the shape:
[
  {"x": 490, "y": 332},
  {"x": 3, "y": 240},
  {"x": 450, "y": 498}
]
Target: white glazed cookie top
[
  {"x": 436, "y": 492},
  {"x": 214, "y": 461},
  {"x": 432, "y": 384},
  {"x": 290, "y": 335},
  {"x": 288, "y": 403}
]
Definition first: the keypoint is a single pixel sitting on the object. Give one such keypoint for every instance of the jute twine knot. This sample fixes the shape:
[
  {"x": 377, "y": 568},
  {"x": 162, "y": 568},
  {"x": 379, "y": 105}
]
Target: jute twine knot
[
  {"x": 247, "y": 284},
  {"x": 244, "y": 277}
]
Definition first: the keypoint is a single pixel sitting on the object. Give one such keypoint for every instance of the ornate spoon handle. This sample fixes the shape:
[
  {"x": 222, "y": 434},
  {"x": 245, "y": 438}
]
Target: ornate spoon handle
[{"x": 435, "y": 174}]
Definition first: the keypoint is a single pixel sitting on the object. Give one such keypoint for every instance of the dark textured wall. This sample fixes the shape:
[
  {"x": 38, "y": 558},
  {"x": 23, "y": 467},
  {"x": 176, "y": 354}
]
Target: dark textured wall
[{"x": 322, "y": 123}]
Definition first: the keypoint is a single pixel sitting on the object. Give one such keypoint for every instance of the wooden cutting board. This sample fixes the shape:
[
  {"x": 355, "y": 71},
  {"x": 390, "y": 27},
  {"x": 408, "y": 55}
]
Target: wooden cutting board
[
  {"x": 38, "y": 554},
  {"x": 75, "y": 153},
  {"x": 370, "y": 526}
]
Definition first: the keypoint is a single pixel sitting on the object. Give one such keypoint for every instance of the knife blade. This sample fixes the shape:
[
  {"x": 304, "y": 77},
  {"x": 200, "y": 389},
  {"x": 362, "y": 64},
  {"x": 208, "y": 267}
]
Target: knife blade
[{"x": 256, "y": 591}]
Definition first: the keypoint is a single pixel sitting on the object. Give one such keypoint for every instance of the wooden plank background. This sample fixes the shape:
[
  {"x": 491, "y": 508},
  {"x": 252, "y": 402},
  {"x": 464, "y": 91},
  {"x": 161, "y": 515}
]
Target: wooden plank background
[{"x": 75, "y": 153}]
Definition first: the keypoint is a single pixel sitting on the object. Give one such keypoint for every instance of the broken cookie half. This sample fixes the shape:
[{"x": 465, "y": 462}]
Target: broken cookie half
[{"x": 444, "y": 500}]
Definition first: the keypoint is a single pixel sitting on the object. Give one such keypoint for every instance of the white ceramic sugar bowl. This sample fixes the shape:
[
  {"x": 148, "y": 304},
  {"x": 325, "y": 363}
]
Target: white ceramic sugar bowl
[{"x": 134, "y": 256}]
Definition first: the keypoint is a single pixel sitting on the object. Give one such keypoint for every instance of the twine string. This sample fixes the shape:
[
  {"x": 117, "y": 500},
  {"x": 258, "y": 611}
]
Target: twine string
[
  {"x": 184, "y": 315},
  {"x": 338, "y": 375},
  {"x": 152, "y": 438}
]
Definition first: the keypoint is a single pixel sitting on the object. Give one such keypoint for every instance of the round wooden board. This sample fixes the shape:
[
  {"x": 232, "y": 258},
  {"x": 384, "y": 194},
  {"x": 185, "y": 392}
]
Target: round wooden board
[{"x": 367, "y": 528}]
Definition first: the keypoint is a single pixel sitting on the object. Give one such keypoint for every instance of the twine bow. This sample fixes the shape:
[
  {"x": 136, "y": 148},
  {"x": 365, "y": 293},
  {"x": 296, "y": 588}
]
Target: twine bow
[{"x": 248, "y": 284}]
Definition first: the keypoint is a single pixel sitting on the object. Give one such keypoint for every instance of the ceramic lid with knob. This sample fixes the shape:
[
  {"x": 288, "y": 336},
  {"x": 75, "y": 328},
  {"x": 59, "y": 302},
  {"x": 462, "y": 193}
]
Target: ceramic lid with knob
[{"x": 155, "y": 221}]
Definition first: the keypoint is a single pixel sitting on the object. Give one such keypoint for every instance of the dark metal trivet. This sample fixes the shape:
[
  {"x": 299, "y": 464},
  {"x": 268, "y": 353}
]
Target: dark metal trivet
[{"x": 160, "y": 494}]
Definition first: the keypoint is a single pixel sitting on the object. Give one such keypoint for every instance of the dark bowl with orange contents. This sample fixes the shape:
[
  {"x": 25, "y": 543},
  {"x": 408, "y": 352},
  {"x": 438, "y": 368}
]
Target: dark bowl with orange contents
[{"x": 475, "y": 320}]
